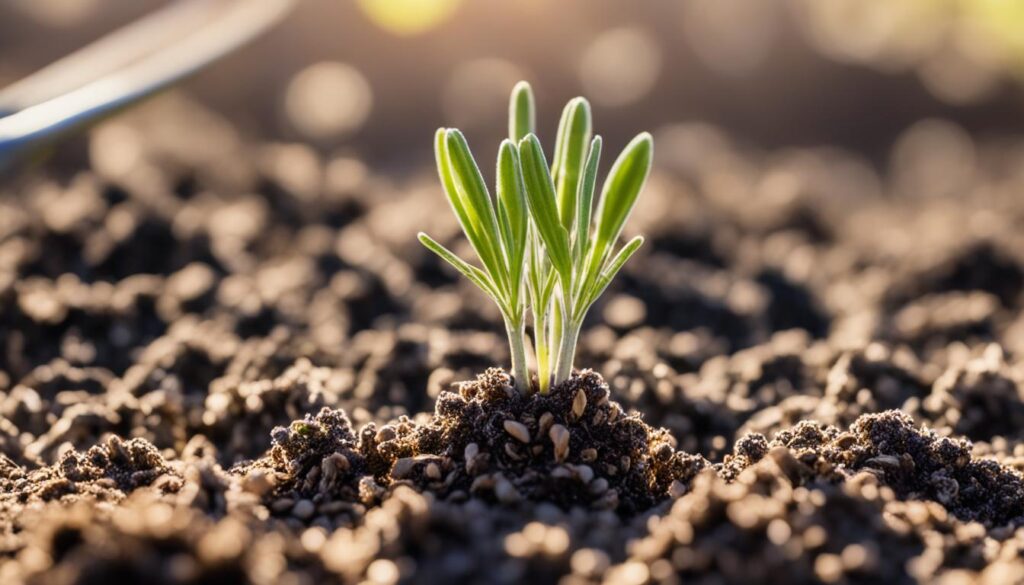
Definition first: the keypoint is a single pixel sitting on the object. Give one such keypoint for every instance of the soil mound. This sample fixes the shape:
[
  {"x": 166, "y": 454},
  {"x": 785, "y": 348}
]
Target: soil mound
[{"x": 572, "y": 447}]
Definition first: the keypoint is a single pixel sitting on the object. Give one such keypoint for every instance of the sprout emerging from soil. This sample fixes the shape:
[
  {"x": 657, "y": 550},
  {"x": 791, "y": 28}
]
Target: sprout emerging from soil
[{"x": 542, "y": 246}]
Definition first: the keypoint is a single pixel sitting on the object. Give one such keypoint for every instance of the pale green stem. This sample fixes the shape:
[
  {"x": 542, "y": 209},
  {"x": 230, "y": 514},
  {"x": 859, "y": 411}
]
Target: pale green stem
[
  {"x": 517, "y": 345},
  {"x": 555, "y": 341},
  {"x": 567, "y": 351}
]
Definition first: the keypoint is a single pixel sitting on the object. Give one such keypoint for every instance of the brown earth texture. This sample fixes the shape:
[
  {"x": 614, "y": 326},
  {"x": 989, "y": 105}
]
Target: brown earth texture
[{"x": 231, "y": 362}]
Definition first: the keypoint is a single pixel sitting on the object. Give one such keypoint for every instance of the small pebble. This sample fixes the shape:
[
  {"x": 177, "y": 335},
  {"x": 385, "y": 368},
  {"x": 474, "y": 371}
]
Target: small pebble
[{"x": 304, "y": 509}]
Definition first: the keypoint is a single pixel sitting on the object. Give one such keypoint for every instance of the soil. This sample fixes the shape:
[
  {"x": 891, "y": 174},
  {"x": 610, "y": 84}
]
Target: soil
[{"x": 230, "y": 361}]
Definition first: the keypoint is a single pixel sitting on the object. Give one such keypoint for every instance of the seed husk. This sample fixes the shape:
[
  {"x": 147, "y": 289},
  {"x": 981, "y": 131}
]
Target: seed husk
[
  {"x": 544, "y": 424},
  {"x": 579, "y": 403},
  {"x": 614, "y": 412},
  {"x": 518, "y": 431},
  {"x": 559, "y": 436}
]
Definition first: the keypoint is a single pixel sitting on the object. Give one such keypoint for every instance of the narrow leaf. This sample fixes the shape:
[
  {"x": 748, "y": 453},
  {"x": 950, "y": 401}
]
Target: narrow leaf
[
  {"x": 474, "y": 274},
  {"x": 572, "y": 153},
  {"x": 534, "y": 276},
  {"x": 448, "y": 182},
  {"x": 539, "y": 273},
  {"x": 549, "y": 287},
  {"x": 560, "y": 137},
  {"x": 540, "y": 196},
  {"x": 621, "y": 188},
  {"x": 610, "y": 271},
  {"x": 506, "y": 229},
  {"x": 585, "y": 200},
  {"x": 479, "y": 208},
  {"x": 522, "y": 116},
  {"x": 513, "y": 206},
  {"x": 444, "y": 170}
]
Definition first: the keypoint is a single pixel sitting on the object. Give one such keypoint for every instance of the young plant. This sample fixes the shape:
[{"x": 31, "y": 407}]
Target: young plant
[
  {"x": 541, "y": 246},
  {"x": 572, "y": 259}
]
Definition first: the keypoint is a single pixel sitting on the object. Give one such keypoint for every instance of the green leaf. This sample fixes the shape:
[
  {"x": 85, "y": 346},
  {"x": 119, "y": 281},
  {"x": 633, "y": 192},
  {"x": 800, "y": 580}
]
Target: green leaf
[
  {"x": 513, "y": 207},
  {"x": 474, "y": 274},
  {"x": 621, "y": 188},
  {"x": 585, "y": 200},
  {"x": 444, "y": 170},
  {"x": 538, "y": 273},
  {"x": 560, "y": 137},
  {"x": 572, "y": 150},
  {"x": 610, "y": 271},
  {"x": 478, "y": 206},
  {"x": 506, "y": 229},
  {"x": 522, "y": 117},
  {"x": 448, "y": 182},
  {"x": 549, "y": 287},
  {"x": 540, "y": 195}
]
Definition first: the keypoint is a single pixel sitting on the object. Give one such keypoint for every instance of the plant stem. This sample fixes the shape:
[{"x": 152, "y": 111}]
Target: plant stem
[
  {"x": 565, "y": 338},
  {"x": 517, "y": 345},
  {"x": 541, "y": 347},
  {"x": 567, "y": 351},
  {"x": 555, "y": 341}
]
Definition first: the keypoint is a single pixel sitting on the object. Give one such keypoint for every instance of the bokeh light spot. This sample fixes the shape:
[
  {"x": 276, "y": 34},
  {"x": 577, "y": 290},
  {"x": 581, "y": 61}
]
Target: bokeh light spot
[
  {"x": 408, "y": 17},
  {"x": 327, "y": 100},
  {"x": 58, "y": 13},
  {"x": 620, "y": 66},
  {"x": 892, "y": 35},
  {"x": 115, "y": 149}
]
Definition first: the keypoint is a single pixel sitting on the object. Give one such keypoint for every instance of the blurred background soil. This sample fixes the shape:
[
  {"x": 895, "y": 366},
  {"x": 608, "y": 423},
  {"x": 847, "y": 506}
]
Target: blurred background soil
[{"x": 833, "y": 226}]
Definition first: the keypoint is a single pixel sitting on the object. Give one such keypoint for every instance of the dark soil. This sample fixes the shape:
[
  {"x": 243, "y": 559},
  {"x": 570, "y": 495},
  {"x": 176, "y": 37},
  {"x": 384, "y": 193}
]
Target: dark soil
[{"x": 232, "y": 362}]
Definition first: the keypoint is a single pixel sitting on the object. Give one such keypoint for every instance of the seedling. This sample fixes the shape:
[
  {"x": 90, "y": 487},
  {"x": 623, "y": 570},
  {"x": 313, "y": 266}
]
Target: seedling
[{"x": 542, "y": 247}]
